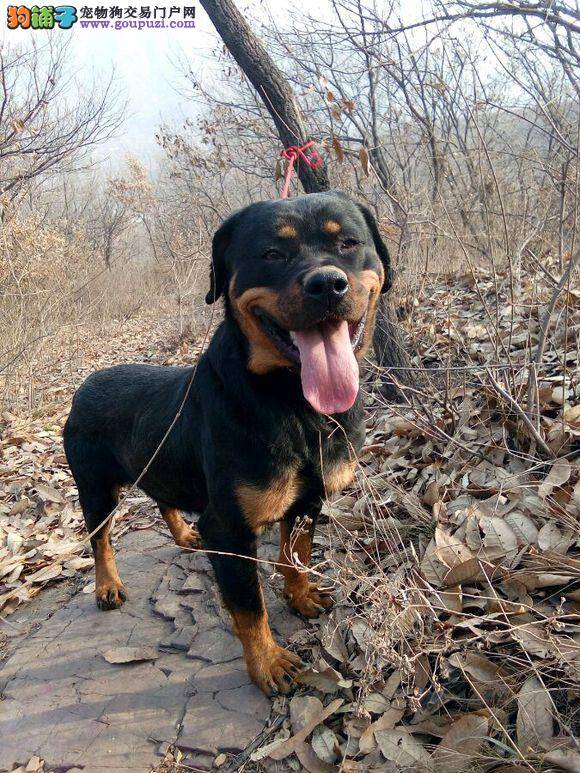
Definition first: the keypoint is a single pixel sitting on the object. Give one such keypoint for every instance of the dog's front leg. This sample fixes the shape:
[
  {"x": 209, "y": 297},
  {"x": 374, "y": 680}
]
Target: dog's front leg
[
  {"x": 270, "y": 666},
  {"x": 302, "y": 595}
]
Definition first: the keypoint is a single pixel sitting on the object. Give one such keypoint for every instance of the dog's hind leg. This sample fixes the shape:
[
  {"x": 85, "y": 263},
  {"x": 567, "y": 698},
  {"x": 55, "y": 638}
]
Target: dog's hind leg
[
  {"x": 98, "y": 477},
  {"x": 109, "y": 589},
  {"x": 184, "y": 535}
]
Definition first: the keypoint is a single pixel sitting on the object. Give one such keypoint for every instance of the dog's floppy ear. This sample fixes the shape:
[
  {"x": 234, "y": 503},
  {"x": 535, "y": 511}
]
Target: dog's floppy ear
[
  {"x": 218, "y": 273},
  {"x": 380, "y": 246}
]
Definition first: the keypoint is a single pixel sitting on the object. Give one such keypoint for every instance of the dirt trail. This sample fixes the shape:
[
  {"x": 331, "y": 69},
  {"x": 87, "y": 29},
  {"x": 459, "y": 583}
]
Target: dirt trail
[{"x": 65, "y": 704}]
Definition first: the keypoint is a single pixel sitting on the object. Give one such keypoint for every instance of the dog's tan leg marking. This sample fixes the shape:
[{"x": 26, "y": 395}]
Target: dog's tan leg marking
[
  {"x": 270, "y": 666},
  {"x": 302, "y": 595},
  {"x": 184, "y": 535},
  {"x": 109, "y": 589}
]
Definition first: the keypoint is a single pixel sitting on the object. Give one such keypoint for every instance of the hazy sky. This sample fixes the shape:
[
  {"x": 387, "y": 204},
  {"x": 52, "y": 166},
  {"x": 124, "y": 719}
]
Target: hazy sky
[{"x": 145, "y": 63}]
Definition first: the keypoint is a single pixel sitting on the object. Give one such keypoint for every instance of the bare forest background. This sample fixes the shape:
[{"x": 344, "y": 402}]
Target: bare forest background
[{"x": 455, "y": 556}]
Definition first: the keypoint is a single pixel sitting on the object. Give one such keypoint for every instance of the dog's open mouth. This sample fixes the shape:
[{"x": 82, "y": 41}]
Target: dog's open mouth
[
  {"x": 326, "y": 355},
  {"x": 286, "y": 340}
]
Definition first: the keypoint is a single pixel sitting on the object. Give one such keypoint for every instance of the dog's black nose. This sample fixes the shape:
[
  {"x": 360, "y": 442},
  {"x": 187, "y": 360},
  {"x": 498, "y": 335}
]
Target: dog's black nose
[{"x": 326, "y": 284}]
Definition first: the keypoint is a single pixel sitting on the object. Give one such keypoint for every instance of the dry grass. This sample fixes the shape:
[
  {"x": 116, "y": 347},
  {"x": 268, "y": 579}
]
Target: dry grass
[{"x": 56, "y": 295}]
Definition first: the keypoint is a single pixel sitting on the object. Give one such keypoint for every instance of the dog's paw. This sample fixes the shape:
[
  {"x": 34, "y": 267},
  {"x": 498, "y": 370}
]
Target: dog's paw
[
  {"x": 274, "y": 671},
  {"x": 189, "y": 538},
  {"x": 110, "y": 594},
  {"x": 309, "y": 601}
]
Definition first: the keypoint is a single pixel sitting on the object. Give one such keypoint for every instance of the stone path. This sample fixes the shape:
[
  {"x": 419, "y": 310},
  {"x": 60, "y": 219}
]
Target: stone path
[{"x": 63, "y": 702}]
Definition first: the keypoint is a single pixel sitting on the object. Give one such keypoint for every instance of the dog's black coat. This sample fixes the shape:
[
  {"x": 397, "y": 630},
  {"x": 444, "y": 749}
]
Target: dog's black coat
[{"x": 234, "y": 425}]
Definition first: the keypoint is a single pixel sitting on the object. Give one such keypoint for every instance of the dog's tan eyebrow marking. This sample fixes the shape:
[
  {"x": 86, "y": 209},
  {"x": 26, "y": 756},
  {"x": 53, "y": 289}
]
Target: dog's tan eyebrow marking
[
  {"x": 331, "y": 227},
  {"x": 287, "y": 231}
]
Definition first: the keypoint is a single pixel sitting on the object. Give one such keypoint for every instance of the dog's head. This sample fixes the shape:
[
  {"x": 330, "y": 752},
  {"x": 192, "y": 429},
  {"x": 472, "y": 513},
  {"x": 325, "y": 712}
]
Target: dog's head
[{"x": 302, "y": 278}]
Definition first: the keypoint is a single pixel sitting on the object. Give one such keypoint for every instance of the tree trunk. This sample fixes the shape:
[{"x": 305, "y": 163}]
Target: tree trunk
[
  {"x": 280, "y": 101},
  {"x": 273, "y": 88}
]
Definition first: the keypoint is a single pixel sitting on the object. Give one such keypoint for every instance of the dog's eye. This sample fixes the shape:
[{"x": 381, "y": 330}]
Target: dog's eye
[
  {"x": 274, "y": 254},
  {"x": 349, "y": 244}
]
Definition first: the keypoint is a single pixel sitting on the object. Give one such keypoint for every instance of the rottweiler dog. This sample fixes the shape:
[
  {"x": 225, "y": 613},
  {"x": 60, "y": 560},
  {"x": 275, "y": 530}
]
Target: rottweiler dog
[{"x": 270, "y": 419}]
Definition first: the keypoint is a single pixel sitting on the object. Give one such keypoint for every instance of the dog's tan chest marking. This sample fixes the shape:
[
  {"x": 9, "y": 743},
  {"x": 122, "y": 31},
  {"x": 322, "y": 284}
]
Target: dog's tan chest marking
[
  {"x": 267, "y": 504},
  {"x": 336, "y": 477}
]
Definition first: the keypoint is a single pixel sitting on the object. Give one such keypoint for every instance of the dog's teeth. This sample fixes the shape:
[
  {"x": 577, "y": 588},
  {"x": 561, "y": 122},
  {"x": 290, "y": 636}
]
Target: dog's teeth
[{"x": 292, "y": 336}]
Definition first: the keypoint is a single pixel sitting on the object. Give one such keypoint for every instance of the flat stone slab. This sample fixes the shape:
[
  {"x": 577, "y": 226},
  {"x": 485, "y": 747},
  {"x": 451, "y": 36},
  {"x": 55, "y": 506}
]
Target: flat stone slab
[{"x": 63, "y": 702}]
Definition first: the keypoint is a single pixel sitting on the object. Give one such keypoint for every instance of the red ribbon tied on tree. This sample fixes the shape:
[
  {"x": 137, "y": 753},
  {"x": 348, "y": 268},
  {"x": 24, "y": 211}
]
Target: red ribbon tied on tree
[{"x": 295, "y": 153}]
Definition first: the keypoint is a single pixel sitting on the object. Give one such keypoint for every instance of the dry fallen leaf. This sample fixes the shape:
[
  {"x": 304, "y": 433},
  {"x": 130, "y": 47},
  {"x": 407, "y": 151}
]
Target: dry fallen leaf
[
  {"x": 48, "y": 573},
  {"x": 449, "y": 600},
  {"x": 523, "y": 527},
  {"x": 459, "y": 747},
  {"x": 34, "y": 764},
  {"x": 500, "y": 541},
  {"x": 533, "y": 639},
  {"x": 559, "y": 474},
  {"x": 79, "y": 563},
  {"x": 364, "y": 160},
  {"x": 19, "y": 507},
  {"x": 551, "y": 537},
  {"x": 450, "y": 550},
  {"x": 310, "y": 761},
  {"x": 286, "y": 748},
  {"x": 387, "y": 721},
  {"x": 323, "y": 677},
  {"x": 468, "y": 571},
  {"x": 534, "y": 724},
  {"x": 49, "y": 494},
  {"x": 566, "y": 759},
  {"x": 264, "y": 751},
  {"x": 400, "y": 747},
  {"x": 332, "y": 640},
  {"x": 303, "y": 709},
  {"x": 325, "y": 744},
  {"x": 376, "y": 703},
  {"x": 477, "y": 666},
  {"x": 432, "y": 568}
]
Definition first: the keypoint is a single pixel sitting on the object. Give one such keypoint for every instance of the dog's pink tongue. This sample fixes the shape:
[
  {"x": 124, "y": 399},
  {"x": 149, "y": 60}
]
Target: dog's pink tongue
[{"x": 329, "y": 370}]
